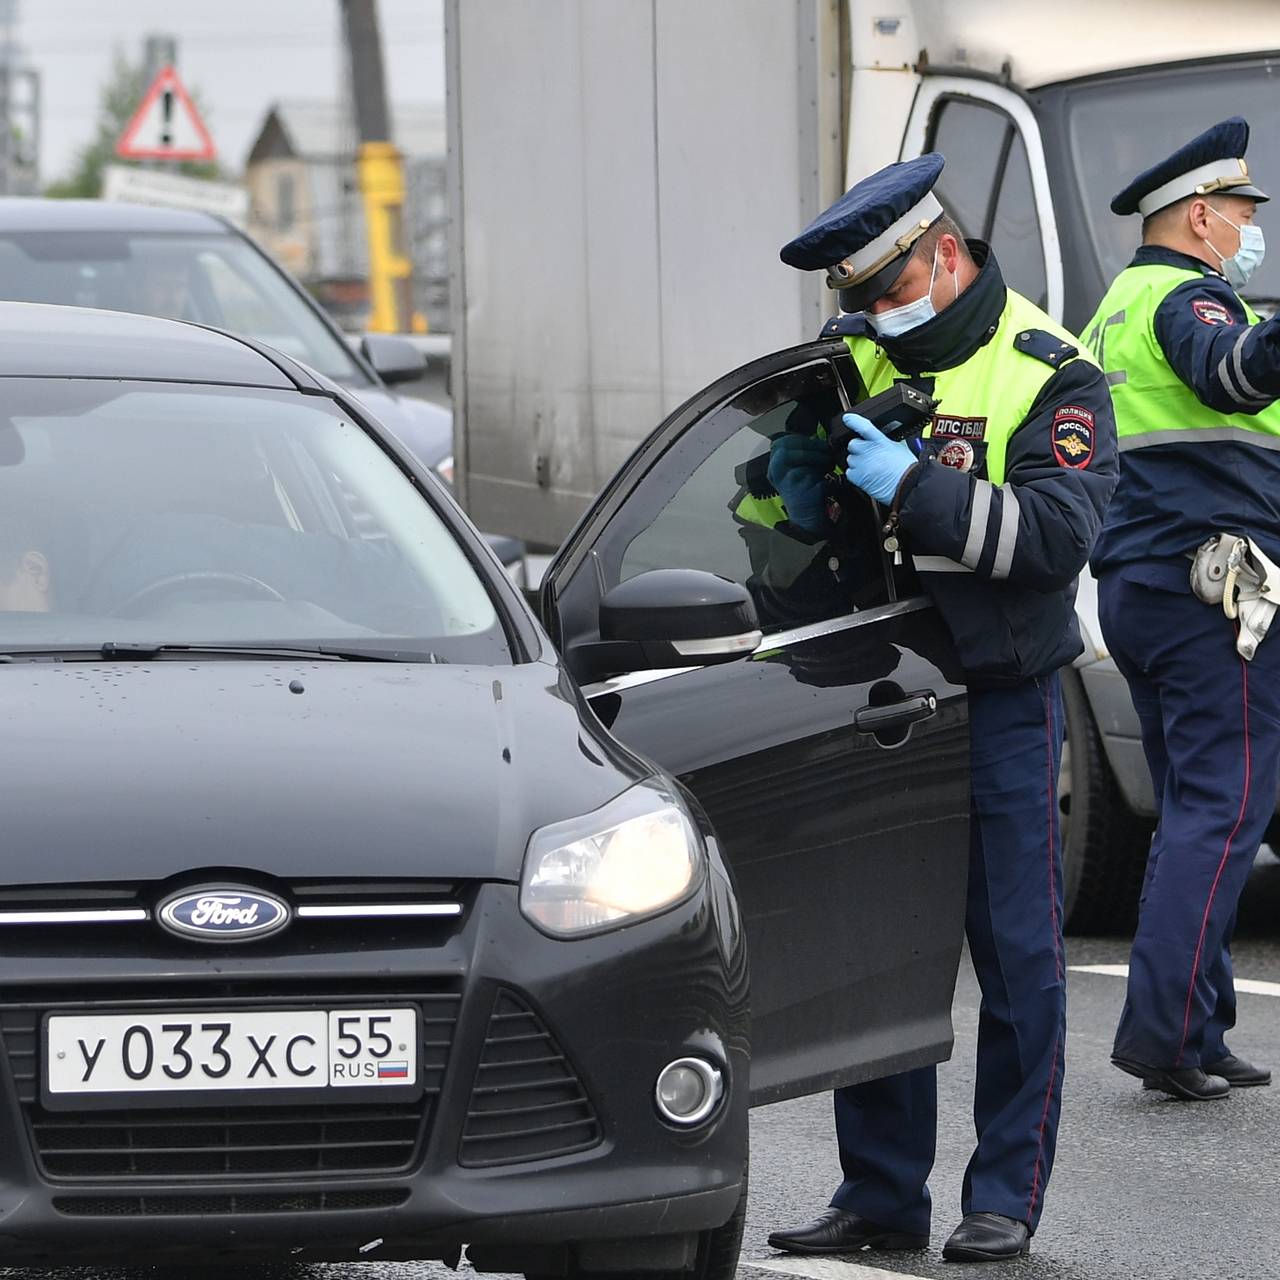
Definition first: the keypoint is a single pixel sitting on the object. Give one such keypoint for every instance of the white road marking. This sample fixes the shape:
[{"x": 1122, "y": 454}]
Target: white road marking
[
  {"x": 841, "y": 1268},
  {"x": 1249, "y": 986}
]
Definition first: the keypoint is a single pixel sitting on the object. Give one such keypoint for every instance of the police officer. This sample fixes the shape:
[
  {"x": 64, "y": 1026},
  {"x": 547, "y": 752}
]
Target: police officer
[
  {"x": 997, "y": 509},
  {"x": 1195, "y": 378}
]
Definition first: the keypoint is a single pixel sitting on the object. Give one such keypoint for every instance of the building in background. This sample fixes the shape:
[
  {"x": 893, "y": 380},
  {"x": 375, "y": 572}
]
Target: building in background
[
  {"x": 19, "y": 111},
  {"x": 305, "y": 206}
]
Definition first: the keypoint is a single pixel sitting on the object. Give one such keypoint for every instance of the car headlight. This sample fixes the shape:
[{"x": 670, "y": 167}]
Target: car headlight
[
  {"x": 444, "y": 469},
  {"x": 633, "y": 857}
]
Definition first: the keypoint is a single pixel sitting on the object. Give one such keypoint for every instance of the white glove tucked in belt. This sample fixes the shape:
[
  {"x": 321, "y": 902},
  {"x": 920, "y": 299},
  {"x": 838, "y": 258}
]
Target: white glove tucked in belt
[{"x": 1229, "y": 570}]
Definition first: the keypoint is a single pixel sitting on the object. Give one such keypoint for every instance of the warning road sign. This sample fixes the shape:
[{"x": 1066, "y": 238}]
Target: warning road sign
[{"x": 167, "y": 125}]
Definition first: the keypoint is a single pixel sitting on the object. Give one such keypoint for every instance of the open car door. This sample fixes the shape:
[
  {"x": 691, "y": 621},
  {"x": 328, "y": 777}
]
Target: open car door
[{"x": 832, "y": 761}]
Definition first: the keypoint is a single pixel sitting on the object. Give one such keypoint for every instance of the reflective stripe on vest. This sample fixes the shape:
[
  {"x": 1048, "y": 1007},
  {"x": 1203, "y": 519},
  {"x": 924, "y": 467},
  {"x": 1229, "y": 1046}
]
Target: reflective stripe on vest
[
  {"x": 1153, "y": 405},
  {"x": 996, "y": 386}
]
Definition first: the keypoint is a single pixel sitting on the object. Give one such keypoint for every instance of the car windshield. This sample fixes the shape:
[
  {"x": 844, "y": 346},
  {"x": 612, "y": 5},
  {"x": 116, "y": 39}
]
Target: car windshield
[
  {"x": 215, "y": 279},
  {"x": 1160, "y": 111},
  {"x": 149, "y": 514}
]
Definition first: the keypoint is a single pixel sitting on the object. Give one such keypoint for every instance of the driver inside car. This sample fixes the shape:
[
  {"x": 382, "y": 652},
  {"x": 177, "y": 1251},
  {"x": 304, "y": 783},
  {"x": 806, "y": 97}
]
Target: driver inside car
[
  {"x": 26, "y": 578},
  {"x": 162, "y": 284}
]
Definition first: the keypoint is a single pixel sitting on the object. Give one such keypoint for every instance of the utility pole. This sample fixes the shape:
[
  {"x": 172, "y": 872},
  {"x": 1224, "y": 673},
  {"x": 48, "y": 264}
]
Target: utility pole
[
  {"x": 380, "y": 170},
  {"x": 19, "y": 110},
  {"x": 158, "y": 51}
]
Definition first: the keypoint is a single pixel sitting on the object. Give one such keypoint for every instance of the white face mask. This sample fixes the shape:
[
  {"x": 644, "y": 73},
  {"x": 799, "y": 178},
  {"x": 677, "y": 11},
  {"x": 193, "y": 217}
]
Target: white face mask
[
  {"x": 911, "y": 315},
  {"x": 1238, "y": 268}
]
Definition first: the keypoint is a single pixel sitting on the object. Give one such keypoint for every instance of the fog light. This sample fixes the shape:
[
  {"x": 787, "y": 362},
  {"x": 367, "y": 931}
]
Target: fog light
[{"x": 688, "y": 1090}]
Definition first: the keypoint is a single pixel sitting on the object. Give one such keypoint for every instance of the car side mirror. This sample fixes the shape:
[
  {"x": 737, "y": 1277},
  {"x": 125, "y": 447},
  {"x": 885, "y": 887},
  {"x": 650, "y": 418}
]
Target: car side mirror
[
  {"x": 394, "y": 359},
  {"x": 670, "y": 618}
]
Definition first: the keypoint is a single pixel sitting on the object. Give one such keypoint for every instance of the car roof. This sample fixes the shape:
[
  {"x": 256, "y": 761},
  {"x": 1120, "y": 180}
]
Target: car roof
[
  {"x": 31, "y": 214},
  {"x": 41, "y": 341}
]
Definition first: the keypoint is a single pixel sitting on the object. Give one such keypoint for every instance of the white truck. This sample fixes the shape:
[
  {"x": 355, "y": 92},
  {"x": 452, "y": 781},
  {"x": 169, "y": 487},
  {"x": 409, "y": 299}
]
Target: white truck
[{"x": 623, "y": 174}]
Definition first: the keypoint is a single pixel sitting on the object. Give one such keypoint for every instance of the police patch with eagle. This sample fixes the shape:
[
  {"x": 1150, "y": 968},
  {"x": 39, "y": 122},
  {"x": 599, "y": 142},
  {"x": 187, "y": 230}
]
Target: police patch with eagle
[{"x": 1073, "y": 436}]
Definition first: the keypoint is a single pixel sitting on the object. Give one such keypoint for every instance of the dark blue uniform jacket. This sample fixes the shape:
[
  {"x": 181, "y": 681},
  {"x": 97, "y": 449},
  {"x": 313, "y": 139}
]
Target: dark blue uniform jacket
[
  {"x": 1016, "y": 620},
  {"x": 1171, "y": 497}
]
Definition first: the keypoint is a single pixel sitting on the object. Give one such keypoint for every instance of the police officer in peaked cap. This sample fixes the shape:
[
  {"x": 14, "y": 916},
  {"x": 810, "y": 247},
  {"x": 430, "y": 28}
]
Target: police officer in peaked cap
[
  {"x": 997, "y": 507},
  {"x": 1195, "y": 378}
]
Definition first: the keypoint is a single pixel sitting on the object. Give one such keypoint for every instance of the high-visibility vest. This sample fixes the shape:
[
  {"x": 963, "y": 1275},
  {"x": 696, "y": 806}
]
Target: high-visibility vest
[
  {"x": 1152, "y": 404},
  {"x": 987, "y": 398}
]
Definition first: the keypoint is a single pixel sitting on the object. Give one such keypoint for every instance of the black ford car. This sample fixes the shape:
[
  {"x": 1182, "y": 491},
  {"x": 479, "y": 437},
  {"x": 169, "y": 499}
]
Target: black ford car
[{"x": 344, "y": 916}]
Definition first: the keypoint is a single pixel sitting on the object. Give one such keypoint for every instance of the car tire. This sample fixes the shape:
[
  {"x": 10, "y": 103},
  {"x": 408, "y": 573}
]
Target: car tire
[
  {"x": 717, "y": 1257},
  {"x": 718, "y": 1250},
  {"x": 1104, "y": 843}
]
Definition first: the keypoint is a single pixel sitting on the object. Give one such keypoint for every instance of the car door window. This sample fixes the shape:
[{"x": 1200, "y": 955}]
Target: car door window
[
  {"x": 720, "y": 513},
  {"x": 986, "y": 187}
]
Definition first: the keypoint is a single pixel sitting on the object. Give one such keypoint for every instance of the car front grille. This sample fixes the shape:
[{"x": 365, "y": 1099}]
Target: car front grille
[
  {"x": 527, "y": 1102},
  {"x": 244, "y": 1141},
  {"x": 226, "y": 1140},
  {"x": 156, "y": 1206}
]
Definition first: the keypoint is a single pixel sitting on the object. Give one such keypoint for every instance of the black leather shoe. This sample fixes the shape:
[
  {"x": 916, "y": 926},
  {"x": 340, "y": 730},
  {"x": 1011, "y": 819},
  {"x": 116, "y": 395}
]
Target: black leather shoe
[
  {"x": 1238, "y": 1073},
  {"x": 987, "y": 1237},
  {"x": 1190, "y": 1084},
  {"x": 838, "y": 1231}
]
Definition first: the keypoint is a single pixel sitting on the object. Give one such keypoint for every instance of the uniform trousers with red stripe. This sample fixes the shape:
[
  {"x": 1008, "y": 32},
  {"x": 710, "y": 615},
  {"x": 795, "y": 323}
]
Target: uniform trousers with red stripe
[
  {"x": 1211, "y": 734},
  {"x": 887, "y": 1129}
]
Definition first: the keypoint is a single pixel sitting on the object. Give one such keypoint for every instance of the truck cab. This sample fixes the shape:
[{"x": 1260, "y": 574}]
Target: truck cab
[
  {"x": 1039, "y": 137},
  {"x": 1044, "y": 113}
]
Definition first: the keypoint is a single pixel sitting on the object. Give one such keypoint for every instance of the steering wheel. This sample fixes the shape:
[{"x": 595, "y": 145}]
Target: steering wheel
[{"x": 171, "y": 584}]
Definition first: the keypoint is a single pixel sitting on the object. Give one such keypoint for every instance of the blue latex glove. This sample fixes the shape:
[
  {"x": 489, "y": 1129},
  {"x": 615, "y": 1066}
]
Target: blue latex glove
[
  {"x": 876, "y": 463},
  {"x": 798, "y": 467}
]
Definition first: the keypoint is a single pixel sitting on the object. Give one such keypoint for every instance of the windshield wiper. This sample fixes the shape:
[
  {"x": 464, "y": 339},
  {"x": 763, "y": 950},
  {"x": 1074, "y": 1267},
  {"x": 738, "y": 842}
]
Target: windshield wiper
[
  {"x": 332, "y": 652},
  {"x": 141, "y": 652}
]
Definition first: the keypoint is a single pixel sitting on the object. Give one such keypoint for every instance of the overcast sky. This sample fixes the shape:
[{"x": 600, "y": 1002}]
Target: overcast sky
[{"x": 240, "y": 55}]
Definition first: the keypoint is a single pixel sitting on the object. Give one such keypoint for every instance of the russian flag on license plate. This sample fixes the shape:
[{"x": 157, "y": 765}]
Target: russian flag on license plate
[{"x": 393, "y": 1071}]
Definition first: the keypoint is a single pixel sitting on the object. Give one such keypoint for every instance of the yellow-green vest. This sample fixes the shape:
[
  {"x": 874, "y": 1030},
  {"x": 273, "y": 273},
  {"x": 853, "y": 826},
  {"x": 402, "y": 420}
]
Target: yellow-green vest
[
  {"x": 1153, "y": 405},
  {"x": 998, "y": 382}
]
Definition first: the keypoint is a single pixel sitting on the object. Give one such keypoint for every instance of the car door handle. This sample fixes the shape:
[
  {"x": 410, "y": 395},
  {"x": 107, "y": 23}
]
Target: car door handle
[{"x": 896, "y": 715}]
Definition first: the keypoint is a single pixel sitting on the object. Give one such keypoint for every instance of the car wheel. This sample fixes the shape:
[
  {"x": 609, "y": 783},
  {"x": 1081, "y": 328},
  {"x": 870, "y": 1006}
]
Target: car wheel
[
  {"x": 718, "y": 1250},
  {"x": 1104, "y": 843},
  {"x": 717, "y": 1257}
]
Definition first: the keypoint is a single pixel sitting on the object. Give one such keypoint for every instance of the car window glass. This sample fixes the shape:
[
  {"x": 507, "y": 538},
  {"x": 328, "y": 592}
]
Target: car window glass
[
  {"x": 1162, "y": 108},
  {"x": 1015, "y": 228},
  {"x": 217, "y": 279},
  {"x": 241, "y": 308},
  {"x": 972, "y": 137},
  {"x": 173, "y": 514},
  {"x": 724, "y": 517}
]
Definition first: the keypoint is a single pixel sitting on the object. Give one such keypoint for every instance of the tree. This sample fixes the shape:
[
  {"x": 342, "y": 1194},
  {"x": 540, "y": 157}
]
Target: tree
[{"x": 120, "y": 98}]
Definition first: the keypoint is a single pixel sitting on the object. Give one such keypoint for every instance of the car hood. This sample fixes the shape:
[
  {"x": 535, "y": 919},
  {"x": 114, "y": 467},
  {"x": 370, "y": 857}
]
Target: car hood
[{"x": 117, "y": 772}]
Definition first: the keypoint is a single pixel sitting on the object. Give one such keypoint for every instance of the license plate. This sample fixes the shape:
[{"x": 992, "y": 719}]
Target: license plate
[{"x": 219, "y": 1052}]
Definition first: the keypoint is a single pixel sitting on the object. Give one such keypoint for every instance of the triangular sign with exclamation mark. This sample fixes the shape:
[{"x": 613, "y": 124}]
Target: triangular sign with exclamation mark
[{"x": 167, "y": 125}]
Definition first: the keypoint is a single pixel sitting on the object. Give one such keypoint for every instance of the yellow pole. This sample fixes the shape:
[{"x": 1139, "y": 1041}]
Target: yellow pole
[{"x": 381, "y": 174}]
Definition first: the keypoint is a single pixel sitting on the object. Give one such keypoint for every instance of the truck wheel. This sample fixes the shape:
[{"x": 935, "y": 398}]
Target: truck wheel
[
  {"x": 1104, "y": 843},
  {"x": 717, "y": 1257}
]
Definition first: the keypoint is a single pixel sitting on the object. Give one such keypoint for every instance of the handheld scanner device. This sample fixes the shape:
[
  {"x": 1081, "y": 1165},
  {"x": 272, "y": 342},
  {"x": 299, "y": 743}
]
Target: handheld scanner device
[{"x": 900, "y": 412}]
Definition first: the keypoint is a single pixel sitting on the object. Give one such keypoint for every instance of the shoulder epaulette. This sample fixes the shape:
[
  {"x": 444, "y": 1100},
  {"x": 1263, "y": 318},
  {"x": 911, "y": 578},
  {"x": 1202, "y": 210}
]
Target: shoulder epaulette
[
  {"x": 845, "y": 326},
  {"x": 1045, "y": 346}
]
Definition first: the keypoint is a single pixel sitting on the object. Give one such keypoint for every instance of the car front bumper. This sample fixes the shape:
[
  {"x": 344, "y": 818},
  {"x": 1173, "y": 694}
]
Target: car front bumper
[{"x": 614, "y": 1009}]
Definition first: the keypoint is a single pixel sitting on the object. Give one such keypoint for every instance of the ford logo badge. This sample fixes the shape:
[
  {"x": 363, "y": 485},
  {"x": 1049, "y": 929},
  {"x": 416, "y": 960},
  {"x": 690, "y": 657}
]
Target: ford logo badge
[{"x": 223, "y": 914}]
